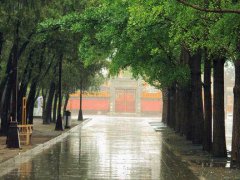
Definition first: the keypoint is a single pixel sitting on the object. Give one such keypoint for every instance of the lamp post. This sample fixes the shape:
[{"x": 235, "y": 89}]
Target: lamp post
[{"x": 80, "y": 115}]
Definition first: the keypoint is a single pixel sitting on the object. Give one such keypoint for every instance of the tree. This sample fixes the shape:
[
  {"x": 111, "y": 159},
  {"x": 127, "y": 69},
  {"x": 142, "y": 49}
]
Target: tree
[
  {"x": 165, "y": 42},
  {"x": 22, "y": 45}
]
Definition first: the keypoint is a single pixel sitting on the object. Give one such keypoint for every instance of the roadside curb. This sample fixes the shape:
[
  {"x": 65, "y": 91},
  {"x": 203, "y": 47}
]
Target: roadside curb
[{"x": 10, "y": 164}]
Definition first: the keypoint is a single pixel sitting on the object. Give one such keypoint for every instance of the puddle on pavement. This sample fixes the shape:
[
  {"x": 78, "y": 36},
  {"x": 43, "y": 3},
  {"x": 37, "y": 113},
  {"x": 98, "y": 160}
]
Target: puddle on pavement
[{"x": 105, "y": 149}]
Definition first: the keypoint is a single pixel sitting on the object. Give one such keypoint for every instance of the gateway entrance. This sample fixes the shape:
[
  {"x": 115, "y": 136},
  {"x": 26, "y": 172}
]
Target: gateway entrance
[{"x": 125, "y": 100}]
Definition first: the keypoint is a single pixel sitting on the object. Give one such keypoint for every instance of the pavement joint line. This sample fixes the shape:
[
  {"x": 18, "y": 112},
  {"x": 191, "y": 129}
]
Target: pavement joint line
[{"x": 12, "y": 163}]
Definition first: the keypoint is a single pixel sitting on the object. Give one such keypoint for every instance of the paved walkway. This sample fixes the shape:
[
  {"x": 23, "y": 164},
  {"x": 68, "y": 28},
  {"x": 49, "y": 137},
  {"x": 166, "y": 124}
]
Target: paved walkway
[
  {"x": 41, "y": 134},
  {"x": 107, "y": 148}
]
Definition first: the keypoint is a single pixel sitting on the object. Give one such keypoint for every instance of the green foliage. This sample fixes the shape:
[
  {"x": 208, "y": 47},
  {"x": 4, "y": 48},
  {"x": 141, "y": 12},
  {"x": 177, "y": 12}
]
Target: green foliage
[
  {"x": 49, "y": 30},
  {"x": 146, "y": 36}
]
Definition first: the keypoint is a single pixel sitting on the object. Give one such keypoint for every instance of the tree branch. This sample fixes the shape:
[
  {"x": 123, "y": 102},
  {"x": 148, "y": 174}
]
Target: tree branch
[{"x": 220, "y": 11}]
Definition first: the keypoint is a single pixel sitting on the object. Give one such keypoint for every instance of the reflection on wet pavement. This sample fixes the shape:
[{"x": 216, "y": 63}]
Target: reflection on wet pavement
[{"x": 107, "y": 148}]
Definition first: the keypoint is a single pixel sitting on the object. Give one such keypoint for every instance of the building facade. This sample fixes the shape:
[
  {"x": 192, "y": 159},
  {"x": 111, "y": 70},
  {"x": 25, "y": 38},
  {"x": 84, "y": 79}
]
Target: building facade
[{"x": 121, "y": 95}]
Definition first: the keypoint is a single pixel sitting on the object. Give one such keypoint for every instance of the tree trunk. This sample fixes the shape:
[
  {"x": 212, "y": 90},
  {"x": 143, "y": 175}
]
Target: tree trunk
[
  {"x": 24, "y": 84},
  {"x": 185, "y": 98},
  {"x": 59, "y": 124},
  {"x": 45, "y": 96},
  {"x": 33, "y": 88},
  {"x": 9, "y": 98},
  {"x": 183, "y": 110},
  {"x": 6, "y": 100},
  {"x": 66, "y": 102},
  {"x": 31, "y": 101},
  {"x": 48, "y": 109},
  {"x": 197, "y": 105},
  {"x": 219, "y": 142},
  {"x": 165, "y": 105},
  {"x": 8, "y": 71},
  {"x": 178, "y": 109},
  {"x": 17, "y": 52},
  {"x": 168, "y": 107},
  {"x": 207, "y": 137},
  {"x": 2, "y": 88},
  {"x": 235, "y": 154},
  {"x": 14, "y": 77},
  {"x": 5, "y": 93},
  {"x": 55, "y": 107},
  {"x": 186, "y": 112},
  {"x": 172, "y": 108}
]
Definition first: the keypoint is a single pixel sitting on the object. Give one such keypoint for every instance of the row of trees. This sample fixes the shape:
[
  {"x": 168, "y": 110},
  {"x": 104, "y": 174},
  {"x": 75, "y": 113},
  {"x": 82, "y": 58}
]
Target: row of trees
[
  {"x": 170, "y": 44},
  {"x": 31, "y": 60}
]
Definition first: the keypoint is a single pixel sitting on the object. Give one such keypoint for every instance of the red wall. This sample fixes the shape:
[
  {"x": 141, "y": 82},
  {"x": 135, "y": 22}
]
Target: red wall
[
  {"x": 95, "y": 104},
  {"x": 90, "y": 104},
  {"x": 151, "y": 105}
]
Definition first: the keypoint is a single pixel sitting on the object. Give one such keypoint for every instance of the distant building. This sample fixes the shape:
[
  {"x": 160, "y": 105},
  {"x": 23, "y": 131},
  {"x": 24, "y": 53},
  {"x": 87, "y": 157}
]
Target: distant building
[{"x": 120, "y": 95}]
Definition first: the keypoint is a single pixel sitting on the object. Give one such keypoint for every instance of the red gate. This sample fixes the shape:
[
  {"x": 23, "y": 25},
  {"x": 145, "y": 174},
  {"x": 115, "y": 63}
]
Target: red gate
[{"x": 125, "y": 100}]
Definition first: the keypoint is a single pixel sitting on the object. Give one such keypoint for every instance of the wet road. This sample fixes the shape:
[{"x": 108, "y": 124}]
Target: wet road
[{"x": 107, "y": 148}]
